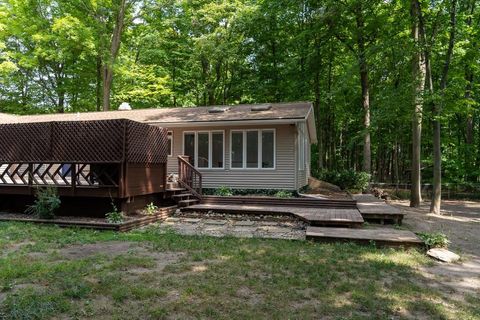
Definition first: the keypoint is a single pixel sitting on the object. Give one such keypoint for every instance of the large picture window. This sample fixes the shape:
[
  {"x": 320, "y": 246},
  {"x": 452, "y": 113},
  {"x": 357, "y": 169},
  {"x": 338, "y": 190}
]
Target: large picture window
[
  {"x": 205, "y": 148},
  {"x": 252, "y": 149}
]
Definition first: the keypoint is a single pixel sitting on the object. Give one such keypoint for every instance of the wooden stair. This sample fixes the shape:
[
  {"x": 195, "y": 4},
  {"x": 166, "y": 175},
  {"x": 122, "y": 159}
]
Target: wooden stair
[
  {"x": 181, "y": 196},
  {"x": 385, "y": 237}
]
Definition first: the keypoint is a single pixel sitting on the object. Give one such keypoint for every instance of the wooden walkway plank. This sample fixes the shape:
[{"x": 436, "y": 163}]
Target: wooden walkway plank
[
  {"x": 380, "y": 236},
  {"x": 314, "y": 216}
]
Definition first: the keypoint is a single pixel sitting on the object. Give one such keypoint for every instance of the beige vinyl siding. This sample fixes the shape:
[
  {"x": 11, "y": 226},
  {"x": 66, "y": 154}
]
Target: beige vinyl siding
[{"x": 282, "y": 177}]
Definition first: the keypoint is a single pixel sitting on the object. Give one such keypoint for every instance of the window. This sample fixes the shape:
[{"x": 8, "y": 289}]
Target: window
[
  {"x": 170, "y": 143},
  {"x": 205, "y": 149},
  {"x": 202, "y": 152},
  {"x": 268, "y": 149},
  {"x": 253, "y": 149},
  {"x": 237, "y": 149},
  {"x": 217, "y": 150},
  {"x": 189, "y": 146}
]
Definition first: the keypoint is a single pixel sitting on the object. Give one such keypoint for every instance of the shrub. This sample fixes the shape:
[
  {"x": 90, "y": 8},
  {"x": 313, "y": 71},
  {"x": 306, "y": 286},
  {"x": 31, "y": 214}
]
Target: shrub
[
  {"x": 150, "y": 209},
  {"x": 283, "y": 194},
  {"x": 114, "y": 216},
  {"x": 224, "y": 192},
  {"x": 434, "y": 240},
  {"x": 346, "y": 179},
  {"x": 46, "y": 203}
]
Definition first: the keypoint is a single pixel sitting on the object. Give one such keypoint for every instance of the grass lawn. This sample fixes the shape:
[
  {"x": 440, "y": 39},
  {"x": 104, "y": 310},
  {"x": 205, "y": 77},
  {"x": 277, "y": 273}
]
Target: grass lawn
[{"x": 48, "y": 272}]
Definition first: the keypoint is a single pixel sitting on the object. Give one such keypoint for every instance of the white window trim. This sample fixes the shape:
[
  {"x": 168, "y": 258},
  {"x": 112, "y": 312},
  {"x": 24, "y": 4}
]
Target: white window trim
[
  {"x": 301, "y": 146},
  {"x": 260, "y": 146},
  {"x": 170, "y": 137},
  {"x": 209, "y": 148}
]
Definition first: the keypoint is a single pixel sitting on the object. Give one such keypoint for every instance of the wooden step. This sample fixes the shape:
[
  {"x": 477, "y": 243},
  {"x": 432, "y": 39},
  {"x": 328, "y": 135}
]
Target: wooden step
[
  {"x": 186, "y": 203},
  {"x": 380, "y": 212},
  {"x": 182, "y": 195},
  {"x": 175, "y": 189},
  {"x": 379, "y": 236}
]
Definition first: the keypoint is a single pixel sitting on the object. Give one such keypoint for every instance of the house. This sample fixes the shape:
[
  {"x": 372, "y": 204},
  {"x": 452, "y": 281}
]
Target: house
[{"x": 258, "y": 146}]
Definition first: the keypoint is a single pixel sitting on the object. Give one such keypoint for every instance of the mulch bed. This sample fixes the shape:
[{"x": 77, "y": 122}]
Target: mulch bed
[
  {"x": 212, "y": 214},
  {"x": 130, "y": 222}
]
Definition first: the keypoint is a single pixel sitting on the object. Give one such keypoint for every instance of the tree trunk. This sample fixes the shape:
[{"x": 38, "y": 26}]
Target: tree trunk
[
  {"x": 468, "y": 155},
  {"x": 437, "y": 146},
  {"x": 367, "y": 153},
  {"x": 114, "y": 49},
  {"x": 418, "y": 76},
  {"x": 98, "y": 88}
]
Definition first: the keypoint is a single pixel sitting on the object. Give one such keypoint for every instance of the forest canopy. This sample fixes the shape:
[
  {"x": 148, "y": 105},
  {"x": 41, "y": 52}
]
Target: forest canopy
[{"x": 373, "y": 69}]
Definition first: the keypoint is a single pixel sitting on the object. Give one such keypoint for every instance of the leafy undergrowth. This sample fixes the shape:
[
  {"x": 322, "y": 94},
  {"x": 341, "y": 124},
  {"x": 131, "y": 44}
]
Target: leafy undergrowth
[{"x": 66, "y": 273}]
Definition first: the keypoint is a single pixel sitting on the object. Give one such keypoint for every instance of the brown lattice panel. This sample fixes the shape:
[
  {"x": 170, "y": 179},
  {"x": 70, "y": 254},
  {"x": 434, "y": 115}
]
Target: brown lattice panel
[{"x": 104, "y": 141}]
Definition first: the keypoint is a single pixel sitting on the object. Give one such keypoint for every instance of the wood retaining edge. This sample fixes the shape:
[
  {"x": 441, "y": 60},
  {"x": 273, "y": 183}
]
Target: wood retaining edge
[{"x": 121, "y": 227}]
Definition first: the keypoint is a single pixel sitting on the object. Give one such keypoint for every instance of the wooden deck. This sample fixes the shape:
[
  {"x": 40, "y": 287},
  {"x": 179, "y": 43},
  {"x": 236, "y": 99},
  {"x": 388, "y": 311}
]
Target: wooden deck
[
  {"x": 379, "y": 236},
  {"x": 376, "y": 210},
  {"x": 314, "y": 216}
]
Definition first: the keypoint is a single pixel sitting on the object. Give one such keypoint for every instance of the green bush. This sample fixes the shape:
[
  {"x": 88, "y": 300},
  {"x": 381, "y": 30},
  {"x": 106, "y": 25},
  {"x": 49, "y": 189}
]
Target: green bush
[
  {"x": 114, "y": 216},
  {"x": 283, "y": 194},
  {"x": 434, "y": 240},
  {"x": 46, "y": 203},
  {"x": 224, "y": 192},
  {"x": 346, "y": 179},
  {"x": 151, "y": 209}
]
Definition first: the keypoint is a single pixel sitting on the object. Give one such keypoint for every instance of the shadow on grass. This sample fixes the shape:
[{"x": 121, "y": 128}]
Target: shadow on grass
[{"x": 219, "y": 278}]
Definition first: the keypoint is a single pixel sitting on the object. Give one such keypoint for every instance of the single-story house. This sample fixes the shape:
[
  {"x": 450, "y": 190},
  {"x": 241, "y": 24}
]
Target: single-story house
[{"x": 258, "y": 146}]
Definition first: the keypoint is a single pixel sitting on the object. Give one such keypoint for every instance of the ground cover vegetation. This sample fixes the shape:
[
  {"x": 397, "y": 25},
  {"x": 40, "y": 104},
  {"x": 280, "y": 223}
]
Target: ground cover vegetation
[{"x": 50, "y": 272}]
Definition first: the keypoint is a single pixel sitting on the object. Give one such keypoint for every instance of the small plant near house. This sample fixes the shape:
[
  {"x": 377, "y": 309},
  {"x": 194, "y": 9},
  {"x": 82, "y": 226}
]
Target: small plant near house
[
  {"x": 151, "y": 209},
  {"x": 434, "y": 240},
  {"x": 46, "y": 203},
  {"x": 114, "y": 216},
  {"x": 347, "y": 179},
  {"x": 283, "y": 194},
  {"x": 224, "y": 192}
]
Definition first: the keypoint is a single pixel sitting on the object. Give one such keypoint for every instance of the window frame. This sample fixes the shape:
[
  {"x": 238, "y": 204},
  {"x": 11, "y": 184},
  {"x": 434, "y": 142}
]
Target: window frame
[
  {"x": 210, "y": 159},
  {"x": 302, "y": 146},
  {"x": 259, "y": 150}
]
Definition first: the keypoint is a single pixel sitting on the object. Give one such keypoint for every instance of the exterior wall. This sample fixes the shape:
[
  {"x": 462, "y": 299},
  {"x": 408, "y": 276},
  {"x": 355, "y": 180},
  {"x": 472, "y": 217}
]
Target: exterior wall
[{"x": 283, "y": 176}]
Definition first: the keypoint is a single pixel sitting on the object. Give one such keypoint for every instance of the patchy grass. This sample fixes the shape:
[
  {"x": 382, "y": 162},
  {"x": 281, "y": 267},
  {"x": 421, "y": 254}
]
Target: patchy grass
[{"x": 49, "y": 272}]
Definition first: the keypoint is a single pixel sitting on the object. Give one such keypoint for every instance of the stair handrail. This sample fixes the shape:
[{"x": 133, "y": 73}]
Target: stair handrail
[{"x": 189, "y": 177}]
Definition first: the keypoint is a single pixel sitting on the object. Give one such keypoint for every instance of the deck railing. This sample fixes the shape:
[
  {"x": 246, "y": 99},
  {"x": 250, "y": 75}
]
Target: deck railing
[
  {"x": 59, "y": 174},
  {"x": 189, "y": 177}
]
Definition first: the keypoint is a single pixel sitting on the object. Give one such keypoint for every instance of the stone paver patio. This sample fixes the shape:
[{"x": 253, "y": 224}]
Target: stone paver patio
[{"x": 294, "y": 230}]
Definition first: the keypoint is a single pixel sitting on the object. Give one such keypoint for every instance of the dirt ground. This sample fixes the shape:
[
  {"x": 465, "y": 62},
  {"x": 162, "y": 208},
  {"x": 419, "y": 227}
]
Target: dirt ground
[{"x": 460, "y": 221}]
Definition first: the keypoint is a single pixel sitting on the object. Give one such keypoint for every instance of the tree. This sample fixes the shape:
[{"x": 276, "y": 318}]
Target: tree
[
  {"x": 418, "y": 76},
  {"x": 437, "y": 111}
]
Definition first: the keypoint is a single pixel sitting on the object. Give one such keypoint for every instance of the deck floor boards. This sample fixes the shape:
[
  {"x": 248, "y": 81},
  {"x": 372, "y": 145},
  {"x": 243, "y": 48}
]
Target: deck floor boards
[
  {"x": 381, "y": 236},
  {"x": 315, "y": 216}
]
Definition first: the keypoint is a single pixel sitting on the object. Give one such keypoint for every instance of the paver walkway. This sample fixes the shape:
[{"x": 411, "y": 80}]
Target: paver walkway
[{"x": 294, "y": 230}]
